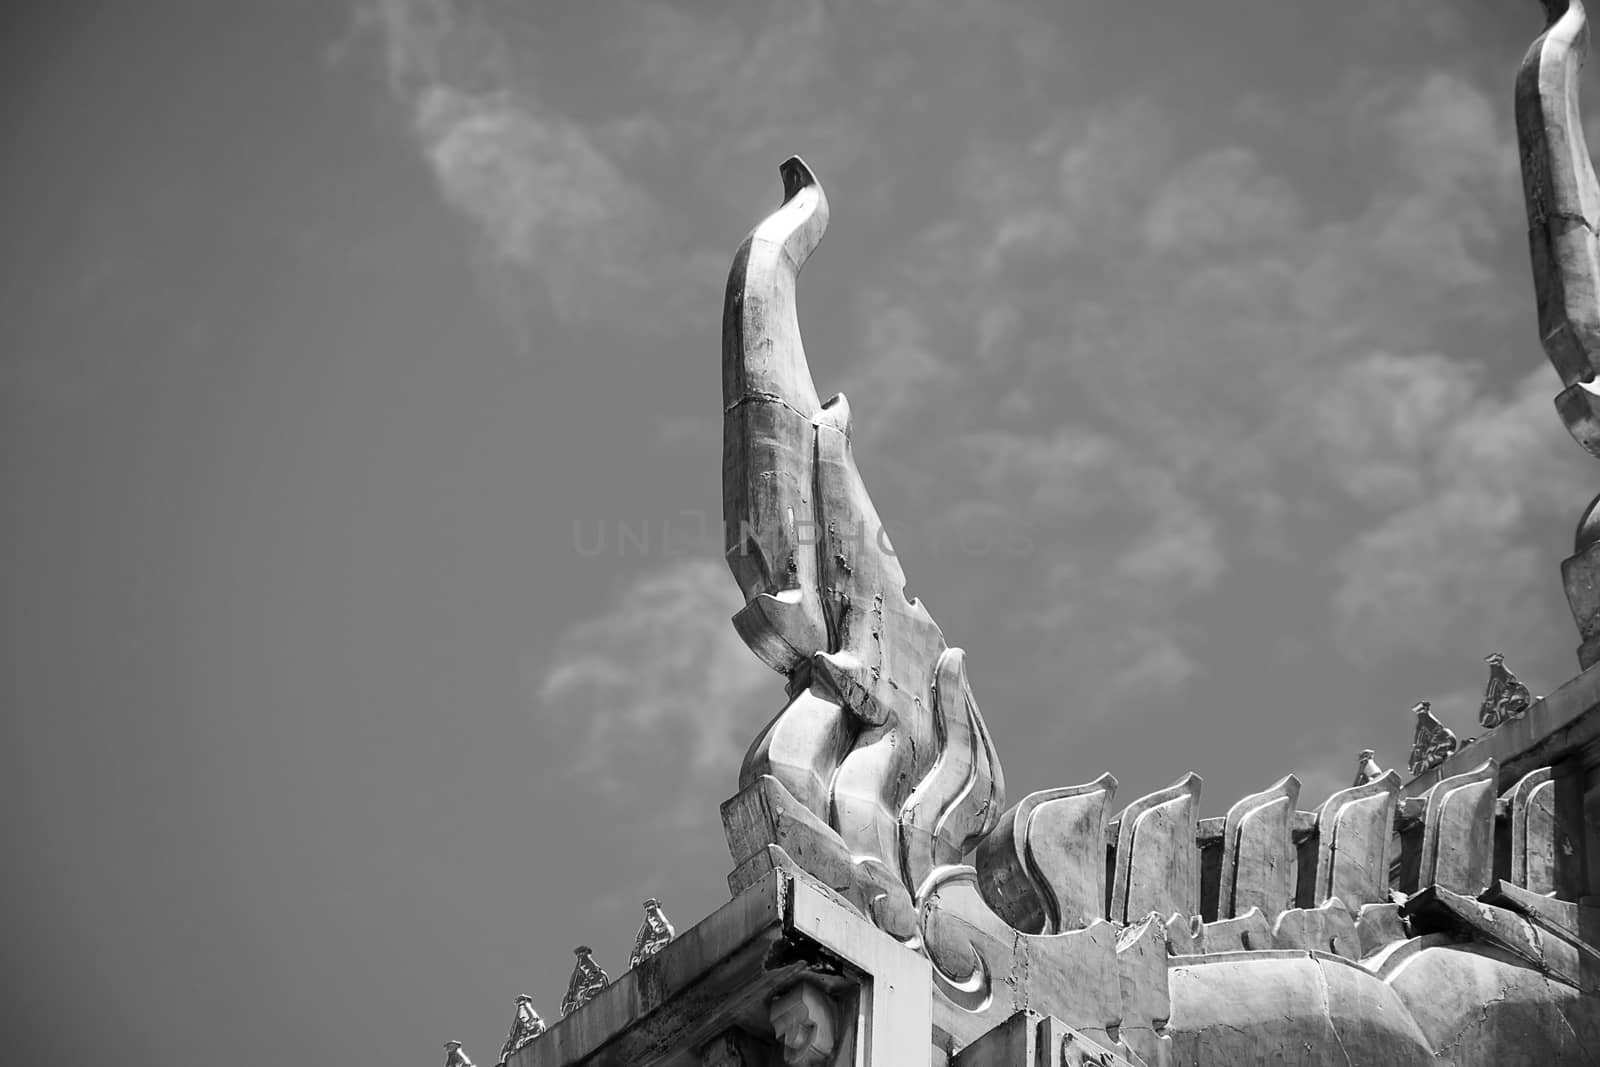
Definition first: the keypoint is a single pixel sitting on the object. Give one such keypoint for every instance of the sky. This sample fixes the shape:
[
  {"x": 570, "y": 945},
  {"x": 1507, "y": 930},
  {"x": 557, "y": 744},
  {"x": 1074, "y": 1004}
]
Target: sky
[{"x": 368, "y": 640}]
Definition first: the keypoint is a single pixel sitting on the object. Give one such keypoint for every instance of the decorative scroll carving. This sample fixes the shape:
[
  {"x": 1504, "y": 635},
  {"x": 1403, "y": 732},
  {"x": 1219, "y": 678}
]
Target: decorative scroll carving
[
  {"x": 1432, "y": 743},
  {"x": 1043, "y": 869},
  {"x": 1563, "y": 200},
  {"x": 454, "y": 1056},
  {"x": 881, "y": 738},
  {"x": 804, "y": 1019},
  {"x": 1258, "y": 859},
  {"x": 1367, "y": 769},
  {"x": 654, "y": 933},
  {"x": 1504, "y": 697},
  {"x": 524, "y": 1028},
  {"x": 1534, "y": 831},
  {"x": 1458, "y": 832},
  {"x": 587, "y": 980},
  {"x": 1157, "y": 867},
  {"x": 976, "y": 956},
  {"x": 1353, "y": 842},
  {"x": 1248, "y": 931}
]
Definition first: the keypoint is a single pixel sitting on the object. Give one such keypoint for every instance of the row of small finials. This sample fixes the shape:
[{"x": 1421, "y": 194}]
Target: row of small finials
[
  {"x": 1504, "y": 698},
  {"x": 587, "y": 980}
]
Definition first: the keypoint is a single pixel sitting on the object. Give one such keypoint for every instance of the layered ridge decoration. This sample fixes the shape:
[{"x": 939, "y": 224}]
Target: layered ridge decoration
[{"x": 878, "y": 778}]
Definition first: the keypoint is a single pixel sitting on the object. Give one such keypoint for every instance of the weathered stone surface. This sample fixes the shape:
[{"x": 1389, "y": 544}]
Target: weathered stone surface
[
  {"x": 1249, "y": 932},
  {"x": 1536, "y": 838},
  {"x": 1458, "y": 832},
  {"x": 1157, "y": 868},
  {"x": 1327, "y": 929},
  {"x": 1258, "y": 859},
  {"x": 1027, "y": 1039},
  {"x": 1353, "y": 842},
  {"x": 1321, "y": 1012},
  {"x": 1043, "y": 869},
  {"x": 1142, "y": 978},
  {"x": 1379, "y": 925}
]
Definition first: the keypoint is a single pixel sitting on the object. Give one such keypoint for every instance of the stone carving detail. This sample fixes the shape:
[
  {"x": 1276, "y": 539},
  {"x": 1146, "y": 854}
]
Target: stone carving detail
[
  {"x": 1432, "y": 743},
  {"x": 1142, "y": 978},
  {"x": 1504, "y": 697},
  {"x": 587, "y": 980},
  {"x": 524, "y": 1028},
  {"x": 1458, "y": 832},
  {"x": 1367, "y": 769},
  {"x": 1536, "y": 837},
  {"x": 1353, "y": 831},
  {"x": 881, "y": 738},
  {"x": 1258, "y": 858},
  {"x": 654, "y": 933},
  {"x": 1329, "y": 928},
  {"x": 1157, "y": 866},
  {"x": 805, "y": 1022},
  {"x": 454, "y": 1056},
  {"x": 1043, "y": 869}
]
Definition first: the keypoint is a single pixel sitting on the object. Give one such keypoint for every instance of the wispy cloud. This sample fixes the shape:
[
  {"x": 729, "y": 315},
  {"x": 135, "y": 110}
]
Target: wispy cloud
[{"x": 667, "y": 696}]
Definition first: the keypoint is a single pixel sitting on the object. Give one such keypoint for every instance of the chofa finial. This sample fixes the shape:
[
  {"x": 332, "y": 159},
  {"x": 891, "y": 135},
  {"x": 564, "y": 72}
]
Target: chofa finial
[
  {"x": 1432, "y": 743},
  {"x": 454, "y": 1056},
  {"x": 654, "y": 933},
  {"x": 587, "y": 980}
]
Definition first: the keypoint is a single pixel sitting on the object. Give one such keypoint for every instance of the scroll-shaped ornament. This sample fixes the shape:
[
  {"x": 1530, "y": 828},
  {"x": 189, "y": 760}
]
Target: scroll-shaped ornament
[
  {"x": 1432, "y": 742},
  {"x": 1258, "y": 857},
  {"x": 1354, "y": 828},
  {"x": 1329, "y": 928},
  {"x": 976, "y": 957},
  {"x": 1458, "y": 832},
  {"x": 1534, "y": 831},
  {"x": 1563, "y": 200},
  {"x": 1157, "y": 866},
  {"x": 1043, "y": 869},
  {"x": 1504, "y": 696},
  {"x": 881, "y": 738}
]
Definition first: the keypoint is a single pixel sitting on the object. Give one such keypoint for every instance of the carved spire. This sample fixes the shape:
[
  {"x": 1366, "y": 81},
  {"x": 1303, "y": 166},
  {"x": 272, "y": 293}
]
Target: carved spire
[
  {"x": 1432, "y": 743},
  {"x": 654, "y": 933},
  {"x": 1367, "y": 769},
  {"x": 524, "y": 1028},
  {"x": 1504, "y": 698},
  {"x": 454, "y": 1057},
  {"x": 587, "y": 980}
]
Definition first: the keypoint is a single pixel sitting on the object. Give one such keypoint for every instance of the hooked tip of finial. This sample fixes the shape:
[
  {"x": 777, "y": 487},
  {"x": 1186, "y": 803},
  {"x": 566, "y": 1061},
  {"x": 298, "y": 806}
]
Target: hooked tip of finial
[
  {"x": 1495, "y": 657},
  {"x": 582, "y": 950},
  {"x": 652, "y": 903},
  {"x": 1422, "y": 706},
  {"x": 1366, "y": 754},
  {"x": 796, "y": 176}
]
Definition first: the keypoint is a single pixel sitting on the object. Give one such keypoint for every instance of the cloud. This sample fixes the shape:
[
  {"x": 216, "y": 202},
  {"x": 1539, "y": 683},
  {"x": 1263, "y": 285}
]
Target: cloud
[
  {"x": 543, "y": 193},
  {"x": 667, "y": 696}
]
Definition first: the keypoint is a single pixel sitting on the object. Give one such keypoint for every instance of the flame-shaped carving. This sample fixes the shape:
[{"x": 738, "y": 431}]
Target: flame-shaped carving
[{"x": 881, "y": 737}]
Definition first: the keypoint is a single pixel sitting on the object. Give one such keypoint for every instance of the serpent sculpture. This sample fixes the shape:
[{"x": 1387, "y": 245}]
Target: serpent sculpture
[{"x": 1372, "y": 928}]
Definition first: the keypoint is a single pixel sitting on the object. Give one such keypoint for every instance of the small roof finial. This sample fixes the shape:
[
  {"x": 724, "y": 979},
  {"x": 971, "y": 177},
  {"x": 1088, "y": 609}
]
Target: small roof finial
[
  {"x": 654, "y": 934},
  {"x": 587, "y": 980},
  {"x": 1504, "y": 697},
  {"x": 1432, "y": 743},
  {"x": 1367, "y": 769}
]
